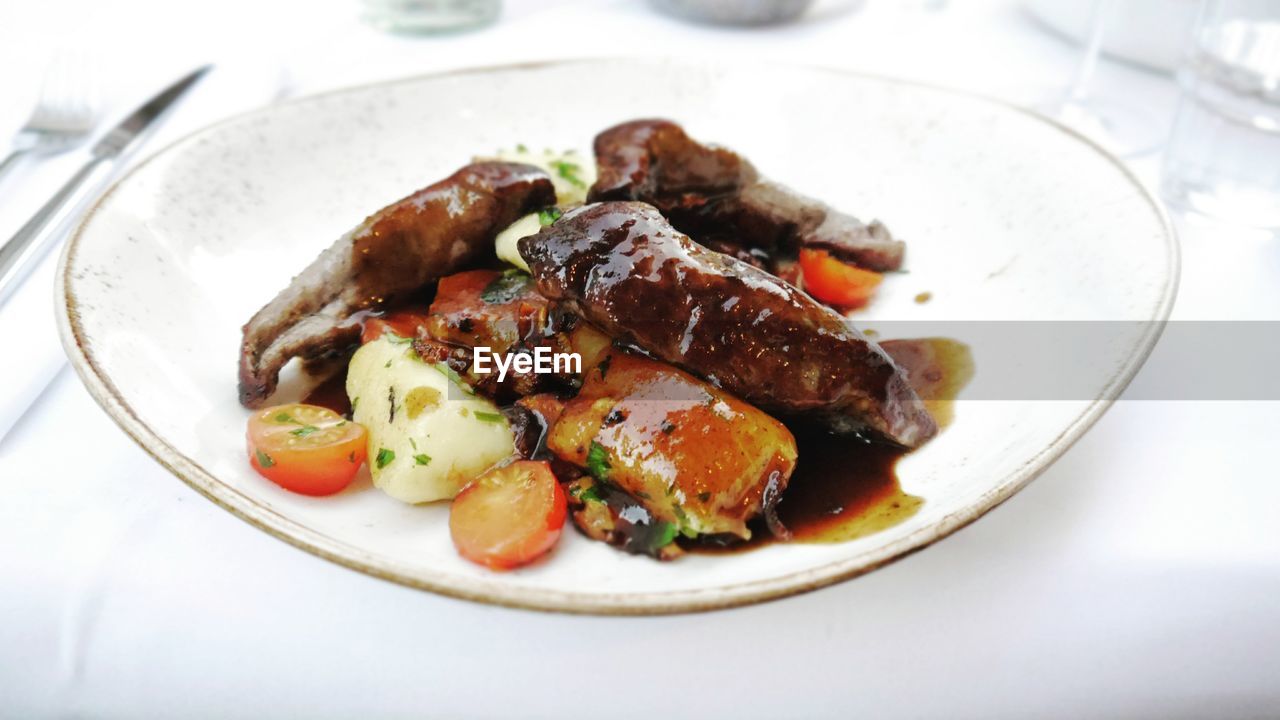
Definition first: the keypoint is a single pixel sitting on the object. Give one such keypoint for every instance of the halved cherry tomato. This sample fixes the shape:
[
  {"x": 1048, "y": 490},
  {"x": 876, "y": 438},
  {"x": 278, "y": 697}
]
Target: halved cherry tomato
[
  {"x": 835, "y": 282},
  {"x": 402, "y": 323},
  {"x": 305, "y": 448},
  {"x": 508, "y": 516}
]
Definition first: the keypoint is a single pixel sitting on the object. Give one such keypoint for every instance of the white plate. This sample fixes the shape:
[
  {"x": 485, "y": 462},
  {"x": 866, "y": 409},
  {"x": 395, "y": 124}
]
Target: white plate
[{"x": 1007, "y": 217}]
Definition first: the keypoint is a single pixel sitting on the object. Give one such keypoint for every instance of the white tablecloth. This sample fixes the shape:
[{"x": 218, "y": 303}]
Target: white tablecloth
[{"x": 1139, "y": 576}]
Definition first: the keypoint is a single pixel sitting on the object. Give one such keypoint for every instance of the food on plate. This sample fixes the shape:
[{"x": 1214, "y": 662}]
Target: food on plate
[
  {"x": 713, "y": 193},
  {"x": 702, "y": 461},
  {"x": 509, "y": 516},
  {"x": 307, "y": 449},
  {"x": 835, "y": 282},
  {"x": 655, "y": 364},
  {"x": 572, "y": 176},
  {"x": 429, "y": 435},
  {"x": 394, "y": 253},
  {"x": 721, "y": 319}
]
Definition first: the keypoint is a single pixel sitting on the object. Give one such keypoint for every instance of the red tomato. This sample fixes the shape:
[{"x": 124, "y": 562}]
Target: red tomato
[
  {"x": 508, "y": 516},
  {"x": 402, "y": 323},
  {"x": 834, "y": 282},
  {"x": 305, "y": 448}
]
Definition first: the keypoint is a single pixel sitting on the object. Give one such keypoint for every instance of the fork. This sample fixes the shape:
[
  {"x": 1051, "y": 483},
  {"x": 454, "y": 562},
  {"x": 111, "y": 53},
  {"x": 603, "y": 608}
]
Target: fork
[{"x": 64, "y": 115}]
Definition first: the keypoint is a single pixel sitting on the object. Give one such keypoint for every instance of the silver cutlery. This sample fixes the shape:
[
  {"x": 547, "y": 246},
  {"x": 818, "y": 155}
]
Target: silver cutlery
[
  {"x": 17, "y": 254},
  {"x": 64, "y": 115}
]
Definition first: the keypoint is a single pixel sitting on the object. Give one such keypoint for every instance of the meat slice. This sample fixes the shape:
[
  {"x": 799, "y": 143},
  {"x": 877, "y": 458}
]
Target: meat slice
[
  {"x": 394, "y": 253},
  {"x": 709, "y": 192},
  {"x": 623, "y": 267}
]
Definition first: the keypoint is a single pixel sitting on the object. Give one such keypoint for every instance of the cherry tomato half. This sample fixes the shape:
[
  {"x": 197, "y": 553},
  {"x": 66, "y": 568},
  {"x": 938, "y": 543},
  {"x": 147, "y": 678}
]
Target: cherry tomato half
[
  {"x": 835, "y": 282},
  {"x": 508, "y": 516},
  {"x": 305, "y": 448}
]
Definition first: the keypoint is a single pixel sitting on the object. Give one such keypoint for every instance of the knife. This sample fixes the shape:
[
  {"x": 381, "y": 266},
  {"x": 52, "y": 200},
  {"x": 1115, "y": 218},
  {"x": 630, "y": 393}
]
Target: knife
[{"x": 18, "y": 254}]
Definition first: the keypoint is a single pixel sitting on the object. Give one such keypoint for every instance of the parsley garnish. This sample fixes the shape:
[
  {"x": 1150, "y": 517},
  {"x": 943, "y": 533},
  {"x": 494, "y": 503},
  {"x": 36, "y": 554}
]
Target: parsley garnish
[
  {"x": 422, "y": 458},
  {"x": 598, "y": 462},
  {"x": 521, "y": 147},
  {"x": 285, "y": 418},
  {"x": 506, "y": 287},
  {"x": 488, "y": 416},
  {"x": 591, "y": 494},
  {"x": 549, "y": 216},
  {"x": 665, "y": 534},
  {"x": 264, "y": 460},
  {"x": 453, "y": 375},
  {"x": 304, "y": 431},
  {"x": 569, "y": 171},
  {"x": 384, "y": 458}
]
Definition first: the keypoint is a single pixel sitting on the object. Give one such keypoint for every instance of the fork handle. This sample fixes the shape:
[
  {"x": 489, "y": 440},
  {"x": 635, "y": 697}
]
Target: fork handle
[
  {"x": 18, "y": 254},
  {"x": 12, "y": 160}
]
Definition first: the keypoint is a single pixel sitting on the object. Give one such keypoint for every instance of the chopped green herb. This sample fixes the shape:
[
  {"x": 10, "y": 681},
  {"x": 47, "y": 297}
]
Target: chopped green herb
[
  {"x": 396, "y": 339},
  {"x": 422, "y": 459},
  {"x": 689, "y": 532},
  {"x": 304, "y": 431},
  {"x": 488, "y": 416},
  {"x": 598, "y": 462},
  {"x": 591, "y": 494},
  {"x": 521, "y": 147},
  {"x": 285, "y": 418},
  {"x": 413, "y": 444},
  {"x": 664, "y": 534},
  {"x": 453, "y": 375},
  {"x": 264, "y": 460},
  {"x": 506, "y": 287},
  {"x": 384, "y": 458},
  {"x": 569, "y": 171},
  {"x": 549, "y": 216},
  {"x": 388, "y": 364}
]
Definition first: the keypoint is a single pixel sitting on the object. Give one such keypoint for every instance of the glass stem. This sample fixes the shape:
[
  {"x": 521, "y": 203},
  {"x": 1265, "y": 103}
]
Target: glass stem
[{"x": 1089, "y": 63}]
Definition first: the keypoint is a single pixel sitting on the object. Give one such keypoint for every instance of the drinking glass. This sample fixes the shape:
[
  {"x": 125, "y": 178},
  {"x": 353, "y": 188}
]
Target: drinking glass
[
  {"x": 426, "y": 17},
  {"x": 1117, "y": 123},
  {"x": 1223, "y": 158}
]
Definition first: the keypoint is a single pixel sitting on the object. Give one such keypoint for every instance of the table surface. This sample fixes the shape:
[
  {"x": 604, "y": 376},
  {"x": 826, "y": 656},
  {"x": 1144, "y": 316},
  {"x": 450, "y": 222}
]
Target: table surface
[{"x": 1138, "y": 576}]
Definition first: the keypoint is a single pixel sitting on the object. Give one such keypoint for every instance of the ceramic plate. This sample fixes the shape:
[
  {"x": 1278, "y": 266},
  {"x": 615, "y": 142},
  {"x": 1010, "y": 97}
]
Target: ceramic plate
[{"x": 1007, "y": 217}]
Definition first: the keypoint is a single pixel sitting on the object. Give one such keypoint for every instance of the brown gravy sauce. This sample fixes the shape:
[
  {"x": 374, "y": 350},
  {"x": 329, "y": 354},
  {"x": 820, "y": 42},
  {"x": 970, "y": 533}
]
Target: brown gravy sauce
[{"x": 844, "y": 487}]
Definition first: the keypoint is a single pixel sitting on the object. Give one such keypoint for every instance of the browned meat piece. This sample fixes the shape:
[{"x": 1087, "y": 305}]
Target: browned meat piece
[
  {"x": 503, "y": 312},
  {"x": 696, "y": 458},
  {"x": 622, "y": 266},
  {"x": 394, "y": 253},
  {"x": 712, "y": 193}
]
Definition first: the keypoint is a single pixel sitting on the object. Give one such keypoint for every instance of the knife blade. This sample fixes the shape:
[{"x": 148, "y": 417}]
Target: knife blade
[{"x": 20, "y": 251}]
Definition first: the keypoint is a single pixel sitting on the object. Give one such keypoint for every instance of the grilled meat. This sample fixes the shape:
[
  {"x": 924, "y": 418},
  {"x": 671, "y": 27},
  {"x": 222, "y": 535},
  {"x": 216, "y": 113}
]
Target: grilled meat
[
  {"x": 623, "y": 267},
  {"x": 394, "y": 253},
  {"x": 713, "y": 194}
]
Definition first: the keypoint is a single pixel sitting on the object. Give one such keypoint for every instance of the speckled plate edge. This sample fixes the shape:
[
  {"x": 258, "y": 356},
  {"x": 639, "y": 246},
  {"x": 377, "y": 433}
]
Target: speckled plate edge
[{"x": 104, "y": 392}]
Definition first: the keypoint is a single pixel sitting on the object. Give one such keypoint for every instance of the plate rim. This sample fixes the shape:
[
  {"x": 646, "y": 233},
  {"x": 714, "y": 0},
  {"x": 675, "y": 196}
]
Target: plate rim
[{"x": 105, "y": 393}]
